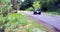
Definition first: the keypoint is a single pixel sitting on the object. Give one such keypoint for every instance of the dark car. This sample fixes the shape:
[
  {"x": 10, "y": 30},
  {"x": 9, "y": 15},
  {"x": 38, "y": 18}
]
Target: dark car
[{"x": 36, "y": 11}]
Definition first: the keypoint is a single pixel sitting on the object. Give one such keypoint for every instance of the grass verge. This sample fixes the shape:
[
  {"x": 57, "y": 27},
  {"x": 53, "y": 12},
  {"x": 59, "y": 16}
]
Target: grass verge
[
  {"x": 17, "y": 22},
  {"x": 56, "y": 14}
]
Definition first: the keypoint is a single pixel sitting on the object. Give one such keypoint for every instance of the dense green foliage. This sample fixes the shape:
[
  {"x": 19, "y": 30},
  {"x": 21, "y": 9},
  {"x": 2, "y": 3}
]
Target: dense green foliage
[
  {"x": 11, "y": 21},
  {"x": 26, "y": 4},
  {"x": 6, "y": 5},
  {"x": 16, "y": 4},
  {"x": 44, "y": 5},
  {"x": 22, "y": 23},
  {"x": 36, "y": 5},
  {"x": 29, "y": 9}
]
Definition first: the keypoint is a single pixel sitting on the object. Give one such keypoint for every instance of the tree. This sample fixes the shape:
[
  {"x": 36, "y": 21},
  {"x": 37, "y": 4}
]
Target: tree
[
  {"x": 26, "y": 4},
  {"x": 36, "y": 5},
  {"x": 16, "y": 4}
]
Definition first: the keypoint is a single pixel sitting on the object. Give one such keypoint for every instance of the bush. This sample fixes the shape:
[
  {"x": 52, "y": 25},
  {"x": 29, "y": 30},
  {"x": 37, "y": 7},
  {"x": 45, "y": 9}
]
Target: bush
[
  {"x": 6, "y": 5},
  {"x": 36, "y": 5},
  {"x": 14, "y": 20},
  {"x": 29, "y": 9},
  {"x": 10, "y": 21}
]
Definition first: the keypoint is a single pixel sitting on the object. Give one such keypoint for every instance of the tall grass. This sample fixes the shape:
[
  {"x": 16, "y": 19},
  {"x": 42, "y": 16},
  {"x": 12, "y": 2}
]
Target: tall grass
[{"x": 22, "y": 23}]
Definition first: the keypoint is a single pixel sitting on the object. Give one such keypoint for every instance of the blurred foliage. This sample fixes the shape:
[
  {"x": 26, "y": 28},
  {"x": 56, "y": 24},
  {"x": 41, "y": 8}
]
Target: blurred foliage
[
  {"x": 50, "y": 5},
  {"x": 44, "y": 5},
  {"x": 6, "y": 5},
  {"x": 26, "y": 4},
  {"x": 11, "y": 21},
  {"x": 16, "y": 4},
  {"x": 36, "y": 5},
  {"x": 14, "y": 20},
  {"x": 20, "y": 22},
  {"x": 29, "y": 9}
]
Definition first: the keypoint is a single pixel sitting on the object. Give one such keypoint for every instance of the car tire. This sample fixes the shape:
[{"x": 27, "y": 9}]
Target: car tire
[
  {"x": 34, "y": 13},
  {"x": 39, "y": 13}
]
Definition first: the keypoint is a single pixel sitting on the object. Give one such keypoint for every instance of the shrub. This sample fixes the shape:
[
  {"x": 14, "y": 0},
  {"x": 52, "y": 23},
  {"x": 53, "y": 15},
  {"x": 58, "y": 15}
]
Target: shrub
[
  {"x": 36, "y": 5},
  {"x": 6, "y": 5},
  {"x": 29, "y": 9},
  {"x": 14, "y": 20}
]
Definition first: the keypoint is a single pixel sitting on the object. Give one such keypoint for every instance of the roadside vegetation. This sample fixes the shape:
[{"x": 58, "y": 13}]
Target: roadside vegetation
[
  {"x": 51, "y": 7},
  {"x": 16, "y": 22},
  {"x": 43, "y": 5},
  {"x": 55, "y": 14},
  {"x": 22, "y": 23},
  {"x": 11, "y": 21}
]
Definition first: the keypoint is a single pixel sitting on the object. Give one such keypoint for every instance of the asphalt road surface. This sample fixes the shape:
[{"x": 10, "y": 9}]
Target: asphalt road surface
[{"x": 53, "y": 21}]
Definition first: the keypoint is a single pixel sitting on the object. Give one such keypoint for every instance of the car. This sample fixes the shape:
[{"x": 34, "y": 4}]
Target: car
[{"x": 36, "y": 11}]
